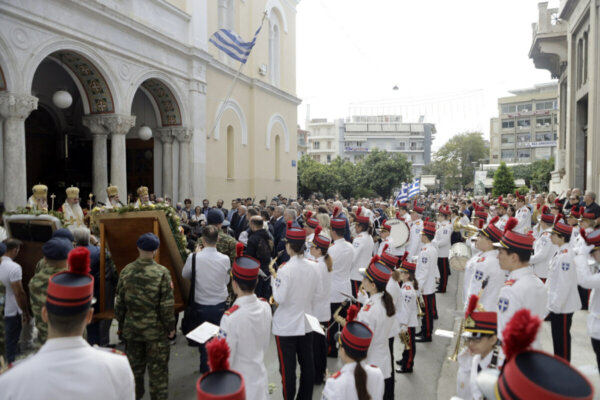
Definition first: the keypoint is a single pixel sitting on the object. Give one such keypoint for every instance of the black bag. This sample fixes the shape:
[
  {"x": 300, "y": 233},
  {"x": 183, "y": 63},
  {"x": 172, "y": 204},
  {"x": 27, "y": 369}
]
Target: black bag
[{"x": 191, "y": 318}]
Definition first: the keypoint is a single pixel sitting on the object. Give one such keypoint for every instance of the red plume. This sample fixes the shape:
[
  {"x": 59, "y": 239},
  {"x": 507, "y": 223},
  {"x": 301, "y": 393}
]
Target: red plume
[
  {"x": 517, "y": 193},
  {"x": 308, "y": 214},
  {"x": 239, "y": 249},
  {"x": 537, "y": 206},
  {"x": 352, "y": 313},
  {"x": 558, "y": 218},
  {"x": 481, "y": 223},
  {"x": 336, "y": 211},
  {"x": 374, "y": 259},
  {"x": 218, "y": 354},
  {"x": 530, "y": 233},
  {"x": 358, "y": 211},
  {"x": 404, "y": 256},
  {"x": 318, "y": 230},
  {"x": 500, "y": 198},
  {"x": 583, "y": 234},
  {"x": 289, "y": 224},
  {"x": 384, "y": 248},
  {"x": 448, "y": 209},
  {"x": 415, "y": 203},
  {"x": 472, "y": 305},
  {"x": 581, "y": 210},
  {"x": 79, "y": 261},
  {"x": 511, "y": 224},
  {"x": 397, "y": 214},
  {"x": 545, "y": 210},
  {"x": 519, "y": 333},
  {"x": 494, "y": 220},
  {"x": 557, "y": 202},
  {"x": 427, "y": 219}
]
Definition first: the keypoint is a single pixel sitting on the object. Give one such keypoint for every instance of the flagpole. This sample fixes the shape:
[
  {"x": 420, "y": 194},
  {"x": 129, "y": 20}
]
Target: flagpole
[{"x": 235, "y": 79}]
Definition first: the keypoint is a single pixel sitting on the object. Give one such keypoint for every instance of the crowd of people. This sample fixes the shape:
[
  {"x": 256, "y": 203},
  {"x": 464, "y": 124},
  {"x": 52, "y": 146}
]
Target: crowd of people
[{"x": 262, "y": 270}]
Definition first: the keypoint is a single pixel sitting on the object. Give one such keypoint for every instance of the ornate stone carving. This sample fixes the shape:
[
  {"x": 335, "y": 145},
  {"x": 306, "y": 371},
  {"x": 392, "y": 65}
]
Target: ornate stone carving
[
  {"x": 166, "y": 135},
  {"x": 183, "y": 135},
  {"x": 17, "y": 106},
  {"x": 20, "y": 38},
  {"x": 96, "y": 124},
  {"x": 119, "y": 124}
]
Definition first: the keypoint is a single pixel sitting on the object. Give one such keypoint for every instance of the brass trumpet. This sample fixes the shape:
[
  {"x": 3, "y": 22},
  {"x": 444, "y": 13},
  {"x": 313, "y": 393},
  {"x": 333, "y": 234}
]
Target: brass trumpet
[
  {"x": 420, "y": 306},
  {"x": 336, "y": 315},
  {"x": 454, "y": 355},
  {"x": 405, "y": 338},
  {"x": 470, "y": 230}
]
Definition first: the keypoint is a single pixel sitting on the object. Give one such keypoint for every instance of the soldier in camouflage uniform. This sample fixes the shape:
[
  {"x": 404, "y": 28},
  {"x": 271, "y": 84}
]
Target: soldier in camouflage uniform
[
  {"x": 56, "y": 251},
  {"x": 144, "y": 311},
  {"x": 225, "y": 243}
]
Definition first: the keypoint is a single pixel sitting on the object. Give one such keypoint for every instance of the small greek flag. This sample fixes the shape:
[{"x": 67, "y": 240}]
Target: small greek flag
[
  {"x": 415, "y": 188},
  {"x": 233, "y": 45},
  {"x": 402, "y": 195}
]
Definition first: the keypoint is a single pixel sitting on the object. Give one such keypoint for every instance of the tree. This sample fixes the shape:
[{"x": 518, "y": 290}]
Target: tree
[
  {"x": 381, "y": 171},
  {"x": 504, "y": 182},
  {"x": 347, "y": 175},
  {"x": 315, "y": 177},
  {"x": 523, "y": 171},
  {"x": 541, "y": 174},
  {"x": 455, "y": 162}
]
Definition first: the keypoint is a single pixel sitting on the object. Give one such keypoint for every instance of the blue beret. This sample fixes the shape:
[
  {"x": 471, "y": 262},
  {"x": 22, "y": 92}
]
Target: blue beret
[
  {"x": 148, "y": 242},
  {"x": 57, "y": 248},
  {"x": 2, "y": 249},
  {"x": 63, "y": 233},
  {"x": 214, "y": 216}
]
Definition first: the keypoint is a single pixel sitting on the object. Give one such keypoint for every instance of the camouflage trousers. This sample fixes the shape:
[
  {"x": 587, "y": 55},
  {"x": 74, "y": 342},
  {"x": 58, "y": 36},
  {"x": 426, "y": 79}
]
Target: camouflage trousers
[{"x": 155, "y": 355}]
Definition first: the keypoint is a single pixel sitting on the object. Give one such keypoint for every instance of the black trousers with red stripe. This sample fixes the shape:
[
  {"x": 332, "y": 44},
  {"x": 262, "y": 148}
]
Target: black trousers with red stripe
[
  {"x": 408, "y": 356},
  {"x": 444, "y": 269},
  {"x": 320, "y": 355},
  {"x": 427, "y": 318},
  {"x": 288, "y": 348},
  {"x": 561, "y": 334},
  {"x": 334, "y": 328}
]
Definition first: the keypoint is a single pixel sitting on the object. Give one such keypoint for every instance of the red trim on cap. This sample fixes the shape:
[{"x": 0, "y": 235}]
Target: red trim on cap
[
  {"x": 355, "y": 342},
  {"x": 321, "y": 241},
  {"x": 69, "y": 296},
  {"x": 248, "y": 274},
  {"x": 389, "y": 259},
  {"x": 312, "y": 222},
  {"x": 408, "y": 266},
  {"x": 517, "y": 241},
  {"x": 562, "y": 228},
  {"x": 296, "y": 234},
  {"x": 362, "y": 219},
  {"x": 377, "y": 274},
  {"x": 239, "y": 394},
  {"x": 338, "y": 223}
]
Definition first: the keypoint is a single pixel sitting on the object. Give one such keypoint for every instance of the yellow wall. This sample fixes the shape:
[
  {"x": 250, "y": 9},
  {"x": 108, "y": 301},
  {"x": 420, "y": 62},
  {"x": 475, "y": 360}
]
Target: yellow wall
[{"x": 181, "y": 4}]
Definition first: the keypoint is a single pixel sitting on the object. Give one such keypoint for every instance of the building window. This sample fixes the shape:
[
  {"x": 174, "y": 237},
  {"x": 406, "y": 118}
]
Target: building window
[
  {"x": 226, "y": 14},
  {"x": 546, "y": 105},
  {"x": 277, "y": 157},
  {"x": 329, "y": 145},
  {"x": 316, "y": 145},
  {"x": 524, "y": 107},
  {"x": 274, "y": 48},
  {"x": 523, "y": 138},
  {"x": 401, "y": 145},
  {"x": 508, "y": 108},
  {"x": 508, "y": 124},
  {"x": 495, "y": 156},
  {"x": 508, "y": 155},
  {"x": 524, "y": 123},
  {"x": 543, "y": 122},
  {"x": 328, "y": 158},
  {"x": 524, "y": 155},
  {"x": 508, "y": 139},
  {"x": 230, "y": 152},
  {"x": 543, "y": 137}
]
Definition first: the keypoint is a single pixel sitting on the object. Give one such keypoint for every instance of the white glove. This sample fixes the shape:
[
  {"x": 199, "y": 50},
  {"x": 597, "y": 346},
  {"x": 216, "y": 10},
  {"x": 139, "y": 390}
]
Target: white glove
[{"x": 584, "y": 250}]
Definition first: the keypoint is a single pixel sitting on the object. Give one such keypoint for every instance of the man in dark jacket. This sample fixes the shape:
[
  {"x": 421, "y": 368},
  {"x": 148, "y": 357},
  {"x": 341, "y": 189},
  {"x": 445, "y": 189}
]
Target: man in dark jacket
[{"x": 259, "y": 246}]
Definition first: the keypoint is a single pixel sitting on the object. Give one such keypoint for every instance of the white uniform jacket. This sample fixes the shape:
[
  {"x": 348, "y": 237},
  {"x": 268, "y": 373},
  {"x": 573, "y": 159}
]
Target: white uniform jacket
[
  {"x": 341, "y": 385},
  {"x": 589, "y": 278},
  {"x": 393, "y": 288},
  {"x": 407, "y": 314},
  {"x": 414, "y": 241},
  {"x": 426, "y": 268},
  {"x": 543, "y": 251},
  {"x": 373, "y": 314},
  {"x": 442, "y": 238},
  {"x": 69, "y": 368},
  {"x": 486, "y": 266},
  {"x": 247, "y": 328},
  {"x": 321, "y": 308},
  {"x": 479, "y": 364},
  {"x": 522, "y": 290},
  {"x": 469, "y": 271},
  {"x": 501, "y": 223},
  {"x": 563, "y": 297},
  {"x": 363, "y": 251},
  {"x": 293, "y": 290},
  {"x": 523, "y": 215},
  {"x": 308, "y": 245},
  {"x": 341, "y": 253}
]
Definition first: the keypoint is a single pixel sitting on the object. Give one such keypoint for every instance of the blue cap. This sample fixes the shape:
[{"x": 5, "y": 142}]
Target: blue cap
[
  {"x": 2, "y": 249},
  {"x": 63, "y": 233},
  {"x": 214, "y": 216},
  {"x": 57, "y": 248},
  {"x": 148, "y": 242}
]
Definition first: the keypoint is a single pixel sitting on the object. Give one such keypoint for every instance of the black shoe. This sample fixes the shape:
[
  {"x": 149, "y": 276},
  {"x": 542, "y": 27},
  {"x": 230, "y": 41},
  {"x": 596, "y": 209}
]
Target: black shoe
[
  {"x": 435, "y": 317},
  {"x": 421, "y": 339},
  {"x": 398, "y": 363},
  {"x": 403, "y": 370}
]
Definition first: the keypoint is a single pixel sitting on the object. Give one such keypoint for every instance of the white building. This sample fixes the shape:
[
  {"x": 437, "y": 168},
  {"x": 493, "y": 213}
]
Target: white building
[{"x": 325, "y": 139}]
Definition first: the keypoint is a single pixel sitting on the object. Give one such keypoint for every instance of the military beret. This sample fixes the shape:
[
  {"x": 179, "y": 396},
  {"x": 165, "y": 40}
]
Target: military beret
[
  {"x": 57, "y": 248},
  {"x": 2, "y": 249},
  {"x": 148, "y": 242},
  {"x": 214, "y": 216},
  {"x": 63, "y": 233}
]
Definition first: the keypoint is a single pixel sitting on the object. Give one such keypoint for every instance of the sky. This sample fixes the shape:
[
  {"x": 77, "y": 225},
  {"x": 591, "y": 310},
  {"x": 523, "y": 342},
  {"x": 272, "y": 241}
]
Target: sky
[{"x": 450, "y": 60}]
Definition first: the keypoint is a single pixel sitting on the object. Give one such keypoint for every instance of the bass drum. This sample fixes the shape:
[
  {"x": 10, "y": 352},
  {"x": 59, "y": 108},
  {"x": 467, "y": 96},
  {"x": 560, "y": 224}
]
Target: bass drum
[
  {"x": 459, "y": 255},
  {"x": 400, "y": 232}
]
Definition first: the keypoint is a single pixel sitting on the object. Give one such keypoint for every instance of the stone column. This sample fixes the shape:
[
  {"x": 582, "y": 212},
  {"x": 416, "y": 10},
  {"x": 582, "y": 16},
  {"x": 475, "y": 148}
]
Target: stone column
[
  {"x": 166, "y": 137},
  {"x": 15, "y": 109},
  {"x": 100, "y": 131},
  {"x": 119, "y": 125},
  {"x": 184, "y": 136}
]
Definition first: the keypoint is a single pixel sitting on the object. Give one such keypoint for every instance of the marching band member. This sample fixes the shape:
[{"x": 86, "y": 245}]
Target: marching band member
[
  {"x": 363, "y": 249},
  {"x": 407, "y": 316},
  {"x": 523, "y": 215},
  {"x": 501, "y": 213},
  {"x": 393, "y": 288},
  {"x": 543, "y": 248},
  {"x": 586, "y": 223},
  {"x": 387, "y": 243},
  {"x": 416, "y": 226},
  {"x": 425, "y": 275},
  {"x": 563, "y": 298},
  {"x": 442, "y": 242},
  {"x": 311, "y": 224},
  {"x": 378, "y": 314}
]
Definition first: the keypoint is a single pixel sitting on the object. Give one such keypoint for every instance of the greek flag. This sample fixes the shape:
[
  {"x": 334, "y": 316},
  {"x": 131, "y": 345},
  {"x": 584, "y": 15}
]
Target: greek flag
[
  {"x": 402, "y": 195},
  {"x": 415, "y": 188},
  {"x": 233, "y": 45}
]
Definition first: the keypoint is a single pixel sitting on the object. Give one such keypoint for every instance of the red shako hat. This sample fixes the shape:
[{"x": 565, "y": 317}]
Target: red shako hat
[
  {"x": 377, "y": 272},
  {"x": 295, "y": 234},
  {"x": 492, "y": 232},
  {"x": 445, "y": 210},
  {"x": 244, "y": 268},
  {"x": 407, "y": 266},
  {"x": 546, "y": 216},
  {"x": 478, "y": 323},
  {"x": 310, "y": 221},
  {"x": 338, "y": 223},
  {"x": 428, "y": 228},
  {"x": 361, "y": 218},
  {"x": 386, "y": 226},
  {"x": 592, "y": 239},
  {"x": 561, "y": 228},
  {"x": 515, "y": 241},
  {"x": 319, "y": 240},
  {"x": 389, "y": 259},
  {"x": 501, "y": 202},
  {"x": 356, "y": 336},
  {"x": 71, "y": 292},
  {"x": 221, "y": 383},
  {"x": 416, "y": 208},
  {"x": 577, "y": 212}
]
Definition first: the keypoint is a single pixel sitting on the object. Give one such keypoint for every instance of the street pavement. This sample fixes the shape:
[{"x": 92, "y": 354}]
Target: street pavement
[{"x": 434, "y": 376}]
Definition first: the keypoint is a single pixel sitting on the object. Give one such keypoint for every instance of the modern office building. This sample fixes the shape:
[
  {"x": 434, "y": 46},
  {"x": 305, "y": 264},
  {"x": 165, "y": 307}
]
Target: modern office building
[{"x": 325, "y": 139}]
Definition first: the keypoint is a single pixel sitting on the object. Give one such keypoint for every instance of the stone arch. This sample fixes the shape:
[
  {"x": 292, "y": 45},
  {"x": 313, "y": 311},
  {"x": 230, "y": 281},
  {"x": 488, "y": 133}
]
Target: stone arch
[
  {"x": 235, "y": 107},
  {"x": 278, "y": 7},
  {"x": 278, "y": 119},
  {"x": 86, "y": 68},
  {"x": 7, "y": 73},
  {"x": 164, "y": 96}
]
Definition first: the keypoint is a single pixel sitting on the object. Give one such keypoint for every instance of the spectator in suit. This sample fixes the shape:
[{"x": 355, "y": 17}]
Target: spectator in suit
[
  {"x": 239, "y": 221},
  {"x": 278, "y": 225},
  {"x": 233, "y": 210}
]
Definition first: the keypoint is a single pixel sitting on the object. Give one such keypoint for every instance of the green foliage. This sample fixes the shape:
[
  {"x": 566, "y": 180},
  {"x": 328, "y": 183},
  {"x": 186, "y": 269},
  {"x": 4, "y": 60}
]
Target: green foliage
[
  {"x": 377, "y": 174},
  {"x": 523, "y": 190},
  {"x": 541, "y": 175},
  {"x": 504, "y": 182},
  {"x": 522, "y": 171},
  {"x": 455, "y": 163}
]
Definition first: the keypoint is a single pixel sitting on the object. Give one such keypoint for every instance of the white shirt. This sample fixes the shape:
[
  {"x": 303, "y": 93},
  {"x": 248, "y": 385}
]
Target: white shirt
[
  {"x": 10, "y": 272},
  {"x": 463, "y": 375},
  {"x": 212, "y": 276},
  {"x": 407, "y": 313},
  {"x": 321, "y": 308},
  {"x": 393, "y": 288},
  {"x": 469, "y": 271},
  {"x": 341, "y": 253},
  {"x": 563, "y": 297},
  {"x": 341, "y": 385},
  {"x": 523, "y": 215},
  {"x": 589, "y": 278},
  {"x": 486, "y": 266},
  {"x": 501, "y": 223},
  {"x": 426, "y": 267},
  {"x": 69, "y": 369},
  {"x": 373, "y": 314},
  {"x": 247, "y": 328},
  {"x": 293, "y": 290},
  {"x": 479, "y": 364},
  {"x": 543, "y": 250},
  {"x": 522, "y": 290},
  {"x": 363, "y": 251},
  {"x": 414, "y": 240},
  {"x": 442, "y": 238}
]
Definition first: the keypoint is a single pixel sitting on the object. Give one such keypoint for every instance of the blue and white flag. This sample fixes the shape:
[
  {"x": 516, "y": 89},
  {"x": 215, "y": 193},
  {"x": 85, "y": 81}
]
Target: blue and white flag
[
  {"x": 233, "y": 45},
  {"x": 415, "y": 188},
  {"x": 402, "y": 195}
]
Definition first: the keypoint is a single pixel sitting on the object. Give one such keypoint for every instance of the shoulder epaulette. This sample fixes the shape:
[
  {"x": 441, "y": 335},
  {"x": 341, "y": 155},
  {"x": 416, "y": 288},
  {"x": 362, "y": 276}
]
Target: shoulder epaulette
[
  {"x": 336, "y": 375},
  {"x": 232, "y": 310},
  {"x": 481, "y": 259},
  {"x": 366, "y": 307},
  {"x": 510, "y": 282},
  {"x": 565, "y": 251},
  {"x": 109, "y": 350},
  {"x": 408, "y": 287},
  {"x": 262, "y": 299}
]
